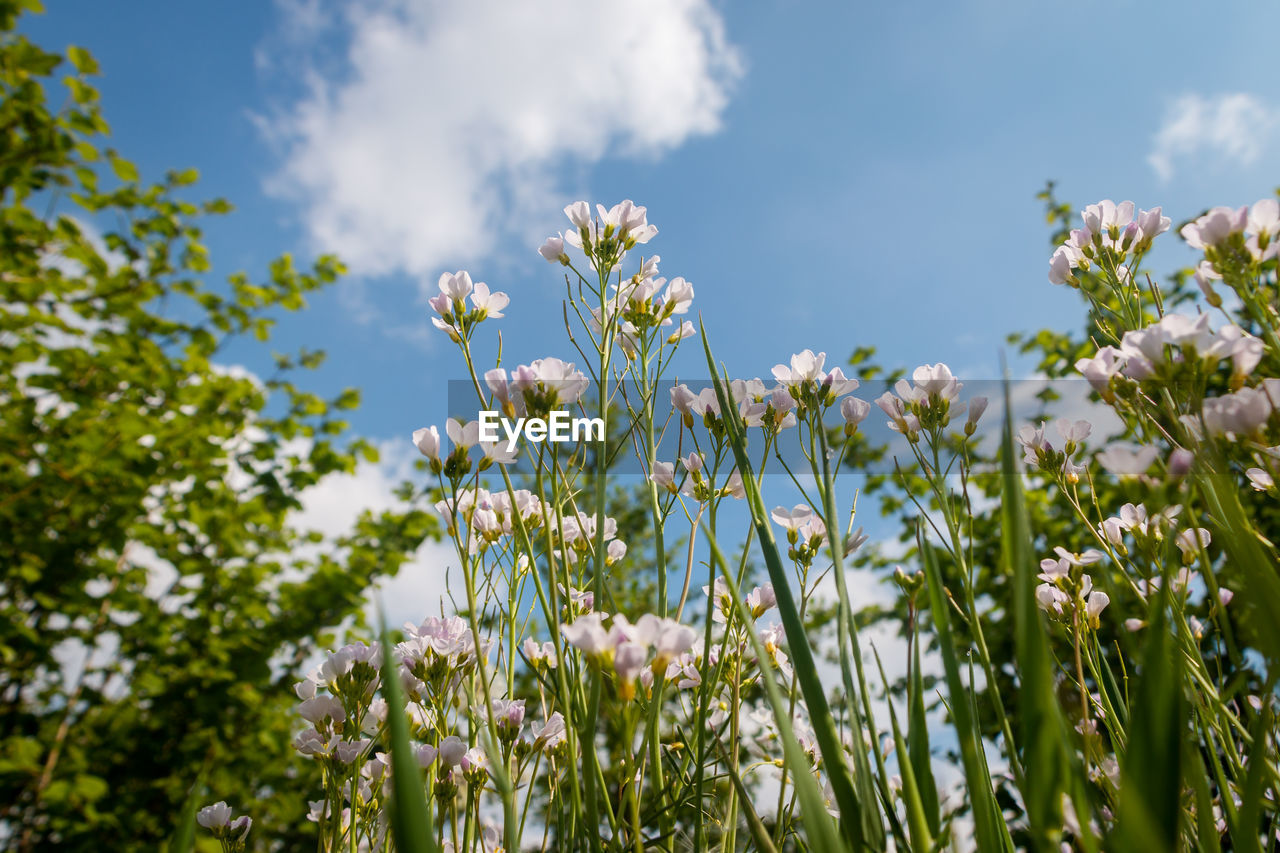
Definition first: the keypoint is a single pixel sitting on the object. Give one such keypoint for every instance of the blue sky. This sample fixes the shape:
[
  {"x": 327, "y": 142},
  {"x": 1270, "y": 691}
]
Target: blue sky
[{"x": 827, "y": 175}]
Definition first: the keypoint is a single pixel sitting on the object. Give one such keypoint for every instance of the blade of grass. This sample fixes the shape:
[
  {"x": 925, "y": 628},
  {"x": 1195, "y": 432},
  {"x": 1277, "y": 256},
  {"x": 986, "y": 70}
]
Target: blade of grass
[
  {"x": 410, "y": 814},
  {"x": 1043, "y": 732},
  {"x": 913, "y": 802},
  {"x": 1149, "y": 811},
  {"x": 918, "y": 748},
  {"x": 852, "y": 810},
  {"x": 817, "y": 822},
  {"x": 990, "y": 830}
]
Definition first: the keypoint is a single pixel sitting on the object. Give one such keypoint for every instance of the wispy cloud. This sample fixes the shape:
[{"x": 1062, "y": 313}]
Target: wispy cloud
[
  {"x": 446, "y": 121},
  {"x": 1205, "y": 131}
]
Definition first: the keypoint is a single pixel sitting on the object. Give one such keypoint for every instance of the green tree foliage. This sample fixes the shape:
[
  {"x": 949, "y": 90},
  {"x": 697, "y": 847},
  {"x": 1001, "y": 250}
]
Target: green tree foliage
[{"x": 146, "y": 493}]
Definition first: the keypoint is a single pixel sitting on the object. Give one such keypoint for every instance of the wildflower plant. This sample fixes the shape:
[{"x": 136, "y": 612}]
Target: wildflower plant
[{"x": 1105, "y": 670}]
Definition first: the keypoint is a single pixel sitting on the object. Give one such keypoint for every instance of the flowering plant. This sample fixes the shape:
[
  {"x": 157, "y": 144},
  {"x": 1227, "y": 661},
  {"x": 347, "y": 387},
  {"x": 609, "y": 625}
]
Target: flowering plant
[{"x": 1130, "y": 707}]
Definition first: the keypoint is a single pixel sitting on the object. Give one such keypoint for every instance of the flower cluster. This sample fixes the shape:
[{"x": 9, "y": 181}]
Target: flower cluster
[
  {"x": 455, "y": 318},
  {"x": 928, "y": 402},
  {"x": 625, "y": 647},
  {"x": 1111, "y": 234}
]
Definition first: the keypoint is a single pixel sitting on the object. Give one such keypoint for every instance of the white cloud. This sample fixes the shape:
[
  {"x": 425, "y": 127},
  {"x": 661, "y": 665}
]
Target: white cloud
[
  {"x": 449, "y": 121},
  {"x": 1231, "y": 127}
]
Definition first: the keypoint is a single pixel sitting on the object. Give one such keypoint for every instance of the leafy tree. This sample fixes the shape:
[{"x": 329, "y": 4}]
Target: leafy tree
[{"x": 154, "y": 603}]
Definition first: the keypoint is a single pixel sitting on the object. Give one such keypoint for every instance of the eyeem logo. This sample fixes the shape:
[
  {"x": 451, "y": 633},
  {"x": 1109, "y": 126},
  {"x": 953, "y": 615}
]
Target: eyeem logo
[{"x": 558, "y": 427}]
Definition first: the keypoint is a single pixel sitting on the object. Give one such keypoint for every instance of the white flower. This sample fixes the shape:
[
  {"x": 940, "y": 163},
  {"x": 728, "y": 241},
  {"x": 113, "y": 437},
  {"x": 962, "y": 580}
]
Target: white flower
[
  {"x": 456, "y": 286},
  {"x": 1191, "y": 541},
  {"x": 579, "y": 214},
  {"x": 794, "y": 518},
  {"x": 1215, "y": 227},
  {"x": 1051, "y": 599},
  {"x": 553, "y": 250},
  {"x": 489, "y": 304},
  {"x": 854, "y": 410},
  {"x": 1098, "y": 370},
  {"x": 805, "y": 367},
  {"x": 320, "y": 708},
  {"x": 462, "y": 435},
  {"x": 427, "y": 440},
  {"x": 1127, "y": 460},
  {"x": 1097, "y": 602},
  {"x": 550, "y": 734},
  {"x": 1061, "y": 265},
  {"x": 451, "y": 751},
  {"x": 214, "y": 816},
  {"x": 664, "y": 476},
  {"x": 587, "y": 634},
  {"x": 761, "y": 599},
  {"x": 1260, "y": 480}
]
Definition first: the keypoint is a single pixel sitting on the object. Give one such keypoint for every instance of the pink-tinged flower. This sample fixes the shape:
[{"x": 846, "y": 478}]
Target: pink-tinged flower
[
  {"x": 322, "y": 711},
  {"x": 579, "y": 214},
  {"x": 664, "y": 476},
  {"x": 1215, "y": 227},
  {"x": 1132, "y": 625},
  {"x": 678, "y": 298},
  {"x": 792, "y": 519},
  {"x": 761, "y": 599},
  {"x": 425, "y": 754},
  {"x": 1112, "y": 531},
  {"x": 1180, "y": 462},
  {"x": 1191, "y": 541},
  {"x": 615, "y": 551},
  {"x": 934, "y": 380},
  {"x": 1260, "y": 480},
  {"x": 1225, "y": 595},
  {"x": 349, "y": 751},
  {"x": 553, "y": 250},
  {"x": 587, "y": 634},
  {"x": 1098, "y": 370},
  {"x": 427, "y": 440},
  {"x": 1264, "y": 218},
  {"x": 977, "y": 406},
  {"x": 547, "y": 383},
  {"x": 805, "y": 367},
  {"x": 1061, "y": 265},
  {"x": 1072, "y": 432},
  {"x": 1127, "y": 460},
  {"x": 733, "y": 486},
  {"x": 214, "y": 816},
  {"x": 451, "y": 751},
  {"x": 1051, "y": 599},
  {"x": 1151, "y": 223},
  {"x": 1242, "y": 413},
  {"x": 1096, "y": 603},
  {"x": 629, "y": 660},
  {"x": 683, "y": 401},
  {"x": 488, "y": 304},
  {"x": 508, "y": 714},
  {"x": 855, "y": 541},
  {"x": 854, "y": 410},
  {"x": 1108, "y": 217},
  {"x": 1054, "y": 571},
  {"x": 686, "y": 330},
  {"x": 550, "y": 734}
]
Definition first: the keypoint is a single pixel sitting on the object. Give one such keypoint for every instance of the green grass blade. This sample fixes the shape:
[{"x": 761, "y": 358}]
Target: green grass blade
[
  {"x": 817, "y": 822},
  {"x": 1149, "y": 811},
  {"x": 410, "y": 814},
  {"x": 184, "y": 834},
  {"x": 990, "y": 830},
  {"x": 918, "y": 749},
  {"x": 858, "y": 815},
  {"x": 1043, "y": 731},
  {"x": 913, "y": 802}
]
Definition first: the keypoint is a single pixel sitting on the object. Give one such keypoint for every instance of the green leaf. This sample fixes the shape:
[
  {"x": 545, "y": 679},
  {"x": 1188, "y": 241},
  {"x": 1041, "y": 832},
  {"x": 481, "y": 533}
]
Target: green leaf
[
  {"x": 828, "y": 738},
  {"x": 1148, "y": 811},
  {"x": 410, "y": 814},
  {"x": 82, "y": 60},
  {"x": 990, "y": 830},
  {"x": 124, "y": 170}
]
